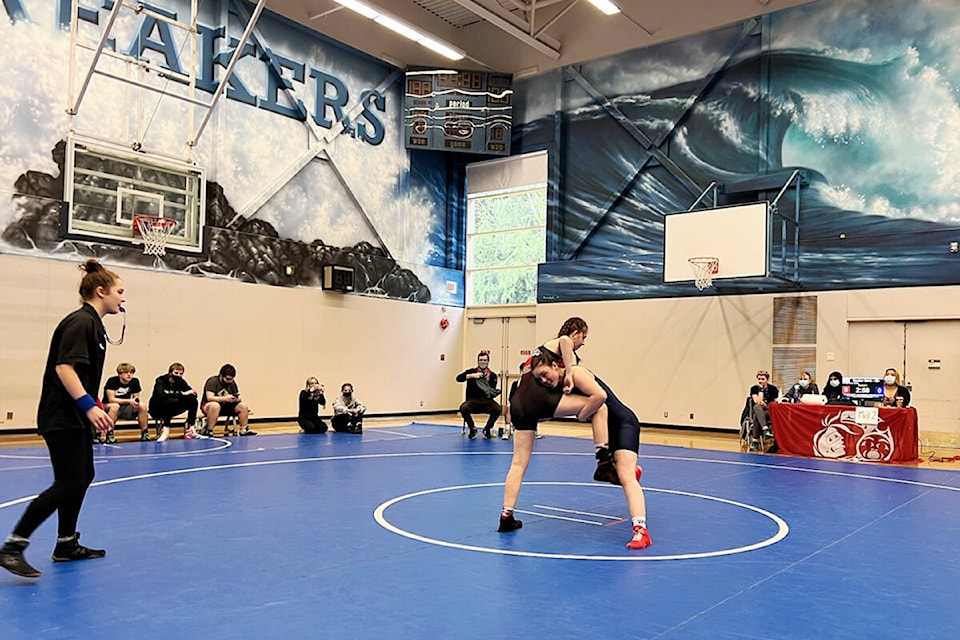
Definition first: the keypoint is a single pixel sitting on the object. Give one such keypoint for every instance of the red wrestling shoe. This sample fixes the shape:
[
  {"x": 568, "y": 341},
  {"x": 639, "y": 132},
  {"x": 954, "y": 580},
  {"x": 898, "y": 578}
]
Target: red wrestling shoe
[{"x": 641, "y": 539}]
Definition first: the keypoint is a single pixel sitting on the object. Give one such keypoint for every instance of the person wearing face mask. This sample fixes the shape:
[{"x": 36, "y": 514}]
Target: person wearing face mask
[
  {"x": 894, "y": 394},
  {"x": 804, "y": 386},
  {"x": 172, "y": 395},
  {"x": 832, "y": 390},
  {"x": 347, "y": 411}
]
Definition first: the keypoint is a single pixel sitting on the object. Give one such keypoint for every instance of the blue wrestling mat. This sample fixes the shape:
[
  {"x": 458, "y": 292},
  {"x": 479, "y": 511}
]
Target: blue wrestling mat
[{"x": 392, "y": 534}]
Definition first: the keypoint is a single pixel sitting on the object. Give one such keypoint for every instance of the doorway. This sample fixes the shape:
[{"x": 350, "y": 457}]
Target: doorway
[
  {"x": 927, "y": 355},
  {"x": 508, "y": 339}
]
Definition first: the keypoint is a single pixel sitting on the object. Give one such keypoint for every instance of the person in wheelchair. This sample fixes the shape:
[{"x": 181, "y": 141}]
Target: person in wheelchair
[{"x": 761, "y": 394}]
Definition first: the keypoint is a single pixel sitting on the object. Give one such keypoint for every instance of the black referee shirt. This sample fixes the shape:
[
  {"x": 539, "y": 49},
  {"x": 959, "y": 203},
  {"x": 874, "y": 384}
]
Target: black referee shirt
[{"x": 79, "y": 340}]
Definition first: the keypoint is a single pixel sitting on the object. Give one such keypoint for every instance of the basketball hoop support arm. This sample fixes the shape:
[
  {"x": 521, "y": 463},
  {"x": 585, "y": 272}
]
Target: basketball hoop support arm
[
  {"x": 799, "y": 177},
  {"x": 222, "y": 88},
  {"x": 714, "y": 187}
]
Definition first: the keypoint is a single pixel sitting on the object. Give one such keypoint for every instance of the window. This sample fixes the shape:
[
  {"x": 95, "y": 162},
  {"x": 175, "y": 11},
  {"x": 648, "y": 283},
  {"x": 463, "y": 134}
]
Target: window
[
  {"x": 794, "y": 339},
  {"x": 506, "y": 230}
]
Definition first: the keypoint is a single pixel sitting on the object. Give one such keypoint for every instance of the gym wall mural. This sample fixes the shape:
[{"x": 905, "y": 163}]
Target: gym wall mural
[
  {"x": 357, "y": 197},
  {"x": 862, "y": 96}
]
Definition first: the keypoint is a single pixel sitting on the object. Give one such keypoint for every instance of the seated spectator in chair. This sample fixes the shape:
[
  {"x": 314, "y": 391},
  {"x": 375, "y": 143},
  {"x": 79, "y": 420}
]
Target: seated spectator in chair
[
  {"x": 803, "y": 386},
  {"x": 221, "y": 397},
  {"x": 311, "y": 399},
  {"x": 763, "y": 393},
  {"x": 480, "y": 394},
  {"x": 347, "y": 411},
  {"x": 833, "y": 390},
  {"x": 894, "y": 393},
  {"x": 121, "y": 400},
  {"x": 172, "y": 395}
]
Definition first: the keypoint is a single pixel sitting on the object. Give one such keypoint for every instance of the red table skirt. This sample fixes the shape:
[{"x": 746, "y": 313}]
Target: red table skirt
[{"x": 831, "y": 431}]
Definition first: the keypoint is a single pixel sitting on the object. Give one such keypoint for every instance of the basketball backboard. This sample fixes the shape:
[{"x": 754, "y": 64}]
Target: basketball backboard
[
  {"x": 105, "y": 188},
  {"x": 738, "y": 236}
]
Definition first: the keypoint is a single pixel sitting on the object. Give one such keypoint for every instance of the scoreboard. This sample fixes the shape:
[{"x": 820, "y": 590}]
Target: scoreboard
[{"x": 466, "y": 111}]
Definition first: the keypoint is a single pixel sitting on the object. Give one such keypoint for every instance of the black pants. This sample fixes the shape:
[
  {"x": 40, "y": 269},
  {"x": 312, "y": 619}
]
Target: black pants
[
  {"x": 346, "y": 422},
  {"x": 71, "y": 454},
  {"x": 490, "y": 407},
  {"x": 164, "y": 408},
  {"x": 312, "y": 425}
]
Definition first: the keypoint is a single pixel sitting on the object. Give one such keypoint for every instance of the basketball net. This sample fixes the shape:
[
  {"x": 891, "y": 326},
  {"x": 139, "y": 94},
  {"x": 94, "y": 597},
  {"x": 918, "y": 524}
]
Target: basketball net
[
  {"x": 155, "y": 232},
  {"x": 703, "y": 271}
]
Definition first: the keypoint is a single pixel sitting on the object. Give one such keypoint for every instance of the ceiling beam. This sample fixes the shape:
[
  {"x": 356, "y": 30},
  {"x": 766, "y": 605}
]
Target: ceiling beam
[{"x": 508, "y": 27}]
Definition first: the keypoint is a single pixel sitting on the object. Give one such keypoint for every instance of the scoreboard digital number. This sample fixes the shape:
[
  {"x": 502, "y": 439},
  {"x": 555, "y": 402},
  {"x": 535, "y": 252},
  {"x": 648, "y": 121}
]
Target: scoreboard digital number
[{"x": 468, "y": 111}]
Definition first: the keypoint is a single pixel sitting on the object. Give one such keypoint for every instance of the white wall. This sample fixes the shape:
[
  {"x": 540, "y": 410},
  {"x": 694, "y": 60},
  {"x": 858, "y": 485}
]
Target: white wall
[
  {"x": 275, "y": 336},
  {"x": 682, "y": 356},
  {"x": 699, "y": 355}
]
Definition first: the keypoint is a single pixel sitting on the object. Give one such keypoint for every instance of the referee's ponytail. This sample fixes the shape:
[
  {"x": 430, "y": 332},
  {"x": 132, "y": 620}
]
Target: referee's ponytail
[{"x": 96, "y": 275}]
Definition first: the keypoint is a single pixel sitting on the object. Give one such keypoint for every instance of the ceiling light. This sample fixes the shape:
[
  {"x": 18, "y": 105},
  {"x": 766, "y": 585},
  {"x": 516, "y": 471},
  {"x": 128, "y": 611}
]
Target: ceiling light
[
  {"x": 604, "y": 5},
  {"x": 398, "y": 27},
  {"x": 363, "y": 9},
  {"x": 445, "y": 50},
  {"x": 403, "y": 28}
]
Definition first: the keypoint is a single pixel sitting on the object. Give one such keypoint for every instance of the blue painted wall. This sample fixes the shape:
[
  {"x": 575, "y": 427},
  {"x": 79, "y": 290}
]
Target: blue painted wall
[{"x": 862, "y": 96}]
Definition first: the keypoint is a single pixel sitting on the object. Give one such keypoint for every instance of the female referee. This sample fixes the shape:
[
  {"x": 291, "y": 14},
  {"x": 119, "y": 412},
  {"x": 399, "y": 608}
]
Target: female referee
[{"x": 71, "y": 380}]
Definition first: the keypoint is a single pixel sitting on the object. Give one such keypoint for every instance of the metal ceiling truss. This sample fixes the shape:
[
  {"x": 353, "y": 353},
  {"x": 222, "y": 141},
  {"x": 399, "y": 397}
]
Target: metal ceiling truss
[
  {"x": 319, "y": 150},
  {"x": 517, "y": 18},
  {"x": 142, "y": 67},
  {"x": 653, "y": 147}
]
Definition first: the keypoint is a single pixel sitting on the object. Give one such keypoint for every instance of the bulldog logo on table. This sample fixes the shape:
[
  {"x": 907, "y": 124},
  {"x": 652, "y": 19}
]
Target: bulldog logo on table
[{"x": 843, "y": 437}]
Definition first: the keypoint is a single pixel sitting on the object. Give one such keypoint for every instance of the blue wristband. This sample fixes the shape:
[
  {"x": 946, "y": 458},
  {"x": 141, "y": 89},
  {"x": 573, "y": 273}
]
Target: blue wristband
[{"x": 85, "y": 402}]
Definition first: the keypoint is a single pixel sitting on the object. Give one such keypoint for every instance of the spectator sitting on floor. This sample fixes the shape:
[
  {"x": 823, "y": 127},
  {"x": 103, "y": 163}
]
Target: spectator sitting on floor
[
  {"x": 480, "y": 394},
  {"x": 221, "y": 397},
  {"x": 311, "y": 399},
  {"x": 172, "y": 395},
  {"x": 347, "y": 411},
  {"x": 121, "y": 400}
]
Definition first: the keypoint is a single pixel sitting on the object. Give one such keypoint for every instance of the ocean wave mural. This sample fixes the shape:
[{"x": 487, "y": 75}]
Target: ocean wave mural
[{"x": 861, "y": 96}]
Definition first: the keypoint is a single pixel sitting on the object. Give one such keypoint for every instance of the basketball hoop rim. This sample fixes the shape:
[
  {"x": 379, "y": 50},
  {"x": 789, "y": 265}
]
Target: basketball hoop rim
[
  {"x": 155, "y": 221},
  {"x": 709, "y": 262}
]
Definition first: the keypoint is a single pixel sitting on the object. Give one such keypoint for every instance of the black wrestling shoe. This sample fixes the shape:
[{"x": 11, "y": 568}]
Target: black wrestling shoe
[
  {"x": 11, "y": 559},
  {"x": 486, "y": 434},
  {"x": 508, "y": 524},
  {"x": 473, "y": 433},
  {"x": 606, "y": 472},
  {"x": 71, "y": 550}
]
